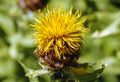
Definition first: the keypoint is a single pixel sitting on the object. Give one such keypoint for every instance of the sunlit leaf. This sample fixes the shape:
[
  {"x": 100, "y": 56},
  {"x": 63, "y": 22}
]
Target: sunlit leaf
[
  {"x": 87, "y": 72},
  {"x": 111, "y": 29}
]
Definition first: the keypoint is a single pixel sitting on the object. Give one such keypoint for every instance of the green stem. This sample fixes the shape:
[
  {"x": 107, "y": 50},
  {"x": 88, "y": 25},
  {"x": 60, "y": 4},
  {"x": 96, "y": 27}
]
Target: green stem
[{"x": 62, "y": 76}]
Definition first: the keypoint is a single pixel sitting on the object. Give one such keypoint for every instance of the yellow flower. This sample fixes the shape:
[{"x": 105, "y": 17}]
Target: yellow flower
[{"x": 59, "y": 32}]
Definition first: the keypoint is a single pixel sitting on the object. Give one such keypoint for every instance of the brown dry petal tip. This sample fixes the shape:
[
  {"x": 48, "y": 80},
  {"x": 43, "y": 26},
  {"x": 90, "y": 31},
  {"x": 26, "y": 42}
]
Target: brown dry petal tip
[{"x": 54, "y": 63}]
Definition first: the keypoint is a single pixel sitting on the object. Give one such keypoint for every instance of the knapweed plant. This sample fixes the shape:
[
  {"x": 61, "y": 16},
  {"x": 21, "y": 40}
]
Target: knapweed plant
[{"x": 58, "y": 36}]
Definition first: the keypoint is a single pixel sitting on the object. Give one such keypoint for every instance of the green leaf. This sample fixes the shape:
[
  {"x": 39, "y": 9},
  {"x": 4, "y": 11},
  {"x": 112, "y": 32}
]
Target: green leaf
[
  {"x": 80, "y": 73},
  {"x": 7, "y": 24},
  {"x": 111, "y": 29},
  {"x": 88, "y": 72},
  {"x": 104, "y": 5},
  {"x": 33, "y": 73},
  {"x": 3, "y": 49},
  {"x": 7, "y": 67}
]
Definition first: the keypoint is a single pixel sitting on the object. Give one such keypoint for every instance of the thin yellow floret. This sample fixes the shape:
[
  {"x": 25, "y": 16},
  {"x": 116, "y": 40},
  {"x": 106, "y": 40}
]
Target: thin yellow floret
[{"x": 59, "y": 32}]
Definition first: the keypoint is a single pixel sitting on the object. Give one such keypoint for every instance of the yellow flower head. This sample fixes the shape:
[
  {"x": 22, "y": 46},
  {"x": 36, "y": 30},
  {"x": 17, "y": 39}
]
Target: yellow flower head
[{"x": 59, "y": 32}]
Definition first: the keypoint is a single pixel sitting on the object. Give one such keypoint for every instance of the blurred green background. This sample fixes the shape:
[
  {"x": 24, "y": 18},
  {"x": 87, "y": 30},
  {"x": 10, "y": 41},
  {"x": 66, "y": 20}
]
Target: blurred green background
[{"x": 101, "y": 46}]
